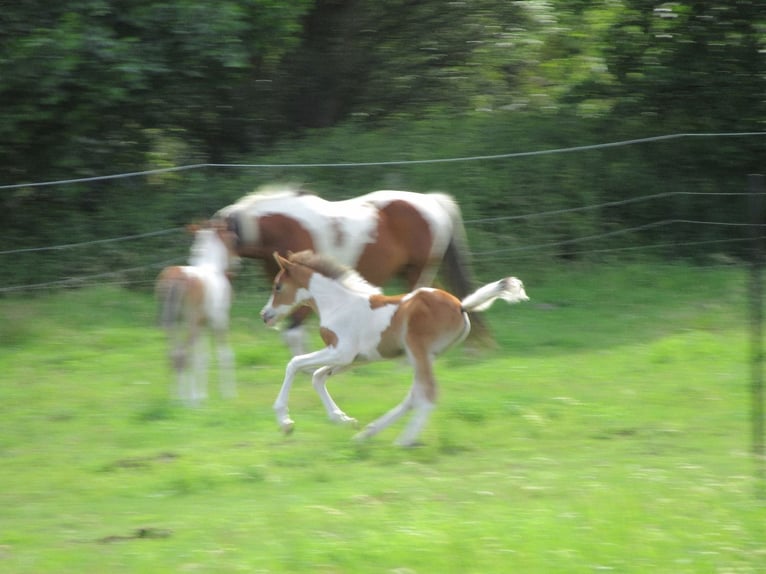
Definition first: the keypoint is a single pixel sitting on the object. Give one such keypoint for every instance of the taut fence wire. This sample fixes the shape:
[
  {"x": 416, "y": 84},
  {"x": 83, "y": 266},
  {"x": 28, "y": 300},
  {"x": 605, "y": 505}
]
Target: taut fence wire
[{"x": 499, "y": 156}]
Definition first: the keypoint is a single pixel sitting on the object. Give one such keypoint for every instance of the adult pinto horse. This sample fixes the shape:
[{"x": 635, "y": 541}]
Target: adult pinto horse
[
  {"x": 359, "y": 323},
  {"x": 382, "y": 235}
]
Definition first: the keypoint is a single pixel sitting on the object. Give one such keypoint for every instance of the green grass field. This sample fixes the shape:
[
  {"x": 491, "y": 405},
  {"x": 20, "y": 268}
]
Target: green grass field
[{"x": 609, "y": 431}]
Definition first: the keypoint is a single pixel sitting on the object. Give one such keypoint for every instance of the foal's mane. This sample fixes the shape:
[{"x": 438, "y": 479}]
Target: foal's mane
[{"x": 331, "y": 269}]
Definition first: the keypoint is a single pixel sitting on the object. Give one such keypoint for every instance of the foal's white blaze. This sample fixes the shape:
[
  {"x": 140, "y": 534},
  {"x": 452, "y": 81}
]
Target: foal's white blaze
[{"x": 272, "y": 314}]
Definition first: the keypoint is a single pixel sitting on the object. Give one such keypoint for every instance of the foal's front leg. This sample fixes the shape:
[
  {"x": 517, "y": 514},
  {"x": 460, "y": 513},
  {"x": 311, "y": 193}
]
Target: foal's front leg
[{"x": 327, "y": 356}]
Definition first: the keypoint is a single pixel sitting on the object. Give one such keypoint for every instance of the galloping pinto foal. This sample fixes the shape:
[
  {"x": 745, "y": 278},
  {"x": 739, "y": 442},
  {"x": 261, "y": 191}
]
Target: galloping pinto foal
[
  {"x": 191, "y": 297},
  {"x": 359, "y": 323}
]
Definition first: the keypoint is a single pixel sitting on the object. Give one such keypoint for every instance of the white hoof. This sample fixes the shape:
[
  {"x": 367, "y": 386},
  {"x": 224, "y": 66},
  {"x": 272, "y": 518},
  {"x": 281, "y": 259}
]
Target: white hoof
[
  {"x": 287, "y": 426},
  {"x": 343, "y": 419}
]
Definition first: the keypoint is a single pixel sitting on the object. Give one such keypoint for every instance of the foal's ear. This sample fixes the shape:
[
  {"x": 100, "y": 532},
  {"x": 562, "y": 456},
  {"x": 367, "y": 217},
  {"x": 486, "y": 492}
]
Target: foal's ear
[{"x": 281, "y": 261}]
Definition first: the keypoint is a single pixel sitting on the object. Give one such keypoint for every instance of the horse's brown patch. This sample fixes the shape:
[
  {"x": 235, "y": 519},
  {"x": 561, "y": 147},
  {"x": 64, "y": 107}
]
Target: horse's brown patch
[
  {"x": 328, "y": 336},
  {"x": 434, "y": 321},
  {"x": 429, "y": 319},
  {"x": 402, "y": 247},
  {"x": 277, "y": 233},
  {"x": 378, "y": 301},
  {"x": 173, "y": 273},
  {"x": 193, "y": 290}
]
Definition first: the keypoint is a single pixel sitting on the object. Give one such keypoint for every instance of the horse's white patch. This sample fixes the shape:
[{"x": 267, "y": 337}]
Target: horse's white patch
[
  {"x": 354, "y": 322},
  {"x": 340, "y": 228}
]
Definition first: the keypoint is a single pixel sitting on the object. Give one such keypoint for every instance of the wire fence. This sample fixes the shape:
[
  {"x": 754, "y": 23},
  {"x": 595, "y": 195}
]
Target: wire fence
[
  {"x": 493, "y": 242},
  {"x": 388, "y": 163},
  {"x": 499, "y": 254}
]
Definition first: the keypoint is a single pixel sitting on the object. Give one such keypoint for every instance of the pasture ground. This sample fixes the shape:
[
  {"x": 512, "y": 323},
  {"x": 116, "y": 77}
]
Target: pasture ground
[{"x": 608, "y": 432}]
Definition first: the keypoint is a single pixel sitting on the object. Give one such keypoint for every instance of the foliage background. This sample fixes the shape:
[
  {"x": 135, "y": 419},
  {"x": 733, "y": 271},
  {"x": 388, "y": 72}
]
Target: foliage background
[{"x": 94, "y": 87}]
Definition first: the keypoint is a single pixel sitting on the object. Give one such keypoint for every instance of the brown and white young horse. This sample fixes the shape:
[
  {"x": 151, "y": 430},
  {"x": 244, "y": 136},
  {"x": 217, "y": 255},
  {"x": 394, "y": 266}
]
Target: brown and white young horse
[
  {"x": 359, "y": 323},
  {"x": 194, "y": 296},
  {"x": 382, "y": 235}
]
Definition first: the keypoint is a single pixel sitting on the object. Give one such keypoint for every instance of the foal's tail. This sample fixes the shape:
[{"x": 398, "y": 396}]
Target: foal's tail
[
  {"x": 509, "y": 289},
  {"x": 170, "y": 293}
]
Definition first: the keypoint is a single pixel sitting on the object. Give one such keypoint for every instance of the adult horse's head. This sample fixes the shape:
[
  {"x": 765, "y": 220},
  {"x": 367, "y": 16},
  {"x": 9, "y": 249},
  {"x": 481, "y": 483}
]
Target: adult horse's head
[{"x": 273, "y": 218}]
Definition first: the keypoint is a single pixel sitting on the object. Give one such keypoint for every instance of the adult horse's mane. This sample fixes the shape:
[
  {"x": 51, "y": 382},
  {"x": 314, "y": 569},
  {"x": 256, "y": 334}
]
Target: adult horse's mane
[
  {"x": 330, "y": 268},
  {"x": 271, "y": 192}
]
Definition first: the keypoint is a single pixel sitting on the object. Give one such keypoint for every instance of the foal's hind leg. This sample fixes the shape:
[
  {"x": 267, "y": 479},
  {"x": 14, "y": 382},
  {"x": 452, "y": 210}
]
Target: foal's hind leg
[
  {"x": 387, "y": 419},
  {"x": 179, "y": 358},
  {"x": 226, "y": 375},
  {"x": 199, "y": 375},
  {"x": 319, "y": 380},
  {"x": 423, "y": 395},
  {"x": 421, "y": 398},
  {"x": 422, "y": 408}
]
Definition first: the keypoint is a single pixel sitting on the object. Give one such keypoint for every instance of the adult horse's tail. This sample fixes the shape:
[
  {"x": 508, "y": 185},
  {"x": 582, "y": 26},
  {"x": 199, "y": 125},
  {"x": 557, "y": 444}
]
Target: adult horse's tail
[{"x": 456, "y": 269}]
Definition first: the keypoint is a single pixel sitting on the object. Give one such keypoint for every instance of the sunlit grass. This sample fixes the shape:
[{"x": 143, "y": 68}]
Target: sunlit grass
[{"x": 609, "y": 431}]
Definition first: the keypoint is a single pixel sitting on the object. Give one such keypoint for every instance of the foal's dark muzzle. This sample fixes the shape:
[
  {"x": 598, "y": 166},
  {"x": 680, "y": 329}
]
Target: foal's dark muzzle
[{"x": 269, "y": 317}]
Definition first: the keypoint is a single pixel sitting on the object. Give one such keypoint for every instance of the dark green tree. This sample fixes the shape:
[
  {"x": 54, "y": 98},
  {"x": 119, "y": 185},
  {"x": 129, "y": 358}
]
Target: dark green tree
[
  {"x": 384, "y": 58},
  {"x": 87, "y": 84},
  {"x": 690, "y": 65}
]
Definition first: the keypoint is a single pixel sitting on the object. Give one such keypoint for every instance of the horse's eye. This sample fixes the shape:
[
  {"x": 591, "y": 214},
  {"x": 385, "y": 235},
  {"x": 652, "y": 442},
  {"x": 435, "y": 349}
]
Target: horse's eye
[{"x": 277, "y": 288}]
